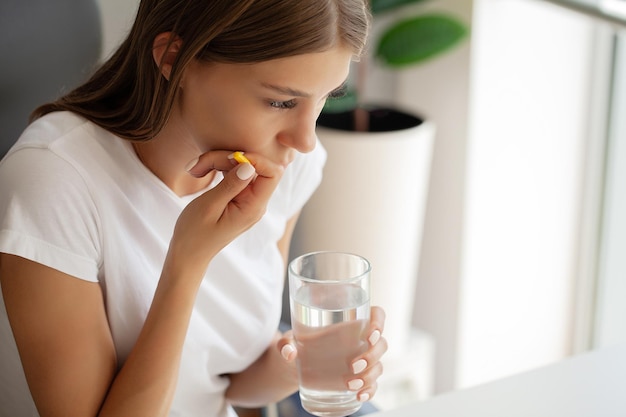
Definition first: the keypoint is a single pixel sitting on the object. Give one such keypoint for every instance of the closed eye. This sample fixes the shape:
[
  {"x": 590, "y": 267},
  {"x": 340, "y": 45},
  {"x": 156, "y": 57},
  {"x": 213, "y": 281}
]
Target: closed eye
[{"x": 289, "y": 104}]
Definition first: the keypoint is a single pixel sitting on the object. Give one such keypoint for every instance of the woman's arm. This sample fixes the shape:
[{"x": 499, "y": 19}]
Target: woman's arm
[
  {"x": 67, "y": 352},
  {"x": 50, "y": 313},
  {"x": 269, "y": 379}
]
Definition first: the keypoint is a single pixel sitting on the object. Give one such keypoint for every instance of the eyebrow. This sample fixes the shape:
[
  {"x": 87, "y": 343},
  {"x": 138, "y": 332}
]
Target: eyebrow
[{"x": 287, "y": 91}]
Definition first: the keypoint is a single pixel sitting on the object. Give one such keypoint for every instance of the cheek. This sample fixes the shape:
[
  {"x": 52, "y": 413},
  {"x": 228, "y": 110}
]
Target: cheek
[
  {"x": 226, "y": 120},
  {"x": 204, "y": 114},
  {"x": 234, "y": 128}
]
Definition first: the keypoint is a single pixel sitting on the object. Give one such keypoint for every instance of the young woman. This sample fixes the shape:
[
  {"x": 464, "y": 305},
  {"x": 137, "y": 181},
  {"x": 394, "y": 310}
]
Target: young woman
[{"x": 141, "y": 267}]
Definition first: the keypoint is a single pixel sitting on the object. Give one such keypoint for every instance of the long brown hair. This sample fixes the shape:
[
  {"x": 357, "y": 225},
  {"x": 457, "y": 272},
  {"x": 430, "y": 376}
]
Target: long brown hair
[{"x": 128, "y": 95}]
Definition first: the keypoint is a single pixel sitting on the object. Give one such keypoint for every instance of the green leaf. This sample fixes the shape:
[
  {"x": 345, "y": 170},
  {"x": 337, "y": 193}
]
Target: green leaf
[
  {"x": 380, "y": 6},
  {"x": 417, "y": 39}
]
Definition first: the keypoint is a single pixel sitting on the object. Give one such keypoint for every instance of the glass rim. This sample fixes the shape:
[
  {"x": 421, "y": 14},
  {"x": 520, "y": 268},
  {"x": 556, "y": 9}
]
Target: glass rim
[{"x": 357, "y": 277}]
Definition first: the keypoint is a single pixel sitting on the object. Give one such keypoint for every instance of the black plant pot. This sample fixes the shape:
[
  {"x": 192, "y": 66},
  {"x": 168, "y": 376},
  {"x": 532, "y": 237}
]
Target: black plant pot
[{"x": 381, "y": 119}]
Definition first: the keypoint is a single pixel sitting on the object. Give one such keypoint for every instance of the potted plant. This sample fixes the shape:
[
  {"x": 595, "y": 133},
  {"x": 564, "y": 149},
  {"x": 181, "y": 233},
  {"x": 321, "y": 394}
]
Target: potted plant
[
  {"x": 372, "y": 198},
  {"x": 402, "y": 43}
]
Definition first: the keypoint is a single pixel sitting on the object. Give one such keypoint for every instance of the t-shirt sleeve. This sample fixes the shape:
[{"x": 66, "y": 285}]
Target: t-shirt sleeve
[
  {"x": 47, "y": 213},
  {"x": 305, "y": 177}
]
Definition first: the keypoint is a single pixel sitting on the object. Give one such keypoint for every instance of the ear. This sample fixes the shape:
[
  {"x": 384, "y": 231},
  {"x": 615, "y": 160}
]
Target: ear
[{"x": 165, "y": 48}]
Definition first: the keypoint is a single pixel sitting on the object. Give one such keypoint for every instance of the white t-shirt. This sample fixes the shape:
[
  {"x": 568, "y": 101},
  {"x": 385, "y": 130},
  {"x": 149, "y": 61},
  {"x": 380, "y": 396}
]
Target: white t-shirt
[{"x": 76, "y": 198}]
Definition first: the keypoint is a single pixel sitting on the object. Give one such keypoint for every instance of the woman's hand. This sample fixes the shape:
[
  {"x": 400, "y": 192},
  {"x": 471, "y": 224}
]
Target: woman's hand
[
  {"x": 221, "y": 214},
  {"x": 366, "y": 367}
]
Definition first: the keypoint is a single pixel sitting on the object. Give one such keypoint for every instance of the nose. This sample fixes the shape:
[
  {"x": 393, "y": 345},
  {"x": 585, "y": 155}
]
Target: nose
[{"x": 300, "y": 134}]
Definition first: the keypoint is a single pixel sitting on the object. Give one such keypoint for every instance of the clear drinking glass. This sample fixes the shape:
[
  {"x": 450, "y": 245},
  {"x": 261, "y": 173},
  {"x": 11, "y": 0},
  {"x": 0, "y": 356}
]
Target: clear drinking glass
[{"x": 329, "y": 295}]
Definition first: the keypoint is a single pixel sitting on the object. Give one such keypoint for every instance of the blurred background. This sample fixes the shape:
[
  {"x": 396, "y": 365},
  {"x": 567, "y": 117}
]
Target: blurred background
[{"x": 520, "y": 262}]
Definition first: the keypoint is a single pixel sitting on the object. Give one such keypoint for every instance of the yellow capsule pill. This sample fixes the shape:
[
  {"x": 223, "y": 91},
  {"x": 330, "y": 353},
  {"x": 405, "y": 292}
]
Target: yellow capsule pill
[{"x": 239, "y": 157}]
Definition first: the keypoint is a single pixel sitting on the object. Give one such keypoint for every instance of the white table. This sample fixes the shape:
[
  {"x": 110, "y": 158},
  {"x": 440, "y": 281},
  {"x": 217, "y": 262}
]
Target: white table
[{"x": 587, "y": 385}]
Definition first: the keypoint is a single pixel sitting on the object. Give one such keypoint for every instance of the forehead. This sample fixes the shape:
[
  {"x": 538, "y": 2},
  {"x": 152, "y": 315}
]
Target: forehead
[{"x": 311, "y": 74}]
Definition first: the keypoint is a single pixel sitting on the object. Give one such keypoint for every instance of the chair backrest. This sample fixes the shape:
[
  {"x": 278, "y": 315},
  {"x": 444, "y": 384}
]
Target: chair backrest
[{"x": 47, "y": 48}]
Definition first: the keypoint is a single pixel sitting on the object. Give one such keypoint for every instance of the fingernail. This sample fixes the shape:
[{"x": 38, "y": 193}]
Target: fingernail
[
  {"x": 191, "y": 164},
  {"x": 245, "y": 171},
  {"x": 364, "y": 397},
  {"x": 286, "y": 351},
  {"x": 355, "y": 384},
  {"x": 374, "y": 337},
  {"x": 359, "y": 366}
]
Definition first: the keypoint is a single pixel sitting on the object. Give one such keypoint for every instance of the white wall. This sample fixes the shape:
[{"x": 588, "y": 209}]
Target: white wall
[
  {"x": 439, "y": 90},
  {"x": 530, "y": 89},
  {"x": 497, "y": 269},
  {"x": 610, "y": 320}
]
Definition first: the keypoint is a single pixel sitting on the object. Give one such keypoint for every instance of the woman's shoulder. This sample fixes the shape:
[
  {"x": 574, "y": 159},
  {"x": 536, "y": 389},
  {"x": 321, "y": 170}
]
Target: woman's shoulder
[
  {"x": 48, "y": 130},
  {"x": 62, "y": 143},
  {"x": 60, "y": 156}
]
